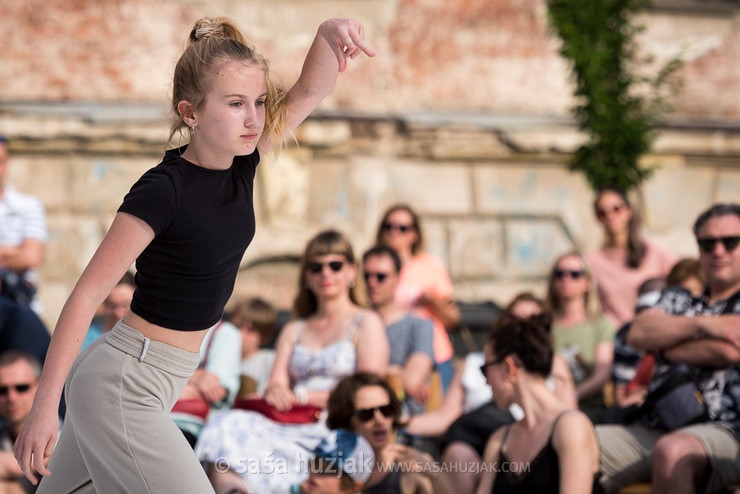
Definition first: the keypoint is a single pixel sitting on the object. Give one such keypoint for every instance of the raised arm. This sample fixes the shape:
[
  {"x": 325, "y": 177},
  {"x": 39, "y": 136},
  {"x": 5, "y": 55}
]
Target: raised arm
[
  {"x": 436, "y": 422},
  {"x": 126, "y": 239},
  {"x": 336, "y": 41}
]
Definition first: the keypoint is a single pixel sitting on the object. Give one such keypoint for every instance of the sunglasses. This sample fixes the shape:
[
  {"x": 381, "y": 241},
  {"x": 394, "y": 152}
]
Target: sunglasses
[
  {"x": 378, "y": 276},
  {"x": 574, "y": 274},
  {"x": 604, "y": 212},
  {"x": 366, "y": 414},
  {"x": 708, "y": 244},
  {"x": 318, "y": 267},
  {"x": 19, "y": 388},
  {"x": 488, "y": 364},
  {"x": 401, "y": 228}
]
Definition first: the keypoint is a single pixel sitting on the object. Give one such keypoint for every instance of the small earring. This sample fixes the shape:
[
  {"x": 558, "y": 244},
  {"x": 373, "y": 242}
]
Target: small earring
[{"x": 192, "y": 130}]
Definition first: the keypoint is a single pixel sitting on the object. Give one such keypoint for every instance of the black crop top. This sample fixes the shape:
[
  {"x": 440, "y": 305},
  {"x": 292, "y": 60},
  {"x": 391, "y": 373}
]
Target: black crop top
[{"x": 203, "y": 221}]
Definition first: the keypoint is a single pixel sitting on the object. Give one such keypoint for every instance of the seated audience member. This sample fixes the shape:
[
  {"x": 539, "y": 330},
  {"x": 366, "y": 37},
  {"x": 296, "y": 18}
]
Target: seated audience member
[
  {"x": 256, "y": 319},
  {"x": 214, "y": 384},
  {"x": 341, "y": 464},
  {"x": 556, "y": 442},
  {"x": 425, "y": 287},
  {"x": 582, "y": 335},
  {"x": 366, "y": 404},
  {"x": 624, "y": 259},
  {"x": 410, "y": 338},
  {"x": 115, "y": 306},
  {"x": 701, "y": 336},
  {"x": 332, "y": 336},
  {"x": 688, "y": 274},
  {"x": 22, "y": 330},
  {"x": 468, "y": 415},
  {"x": 19, "y": 374},
  {"x": 23, "y": 237}
]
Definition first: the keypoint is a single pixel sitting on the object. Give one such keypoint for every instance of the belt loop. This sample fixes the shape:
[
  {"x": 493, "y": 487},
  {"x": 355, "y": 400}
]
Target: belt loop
[{"x": 146, "y": 347}]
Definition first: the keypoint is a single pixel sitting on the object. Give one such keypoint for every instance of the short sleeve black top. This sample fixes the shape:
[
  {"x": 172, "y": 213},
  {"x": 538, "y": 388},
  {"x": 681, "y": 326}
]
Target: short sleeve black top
[{"x": 203, "y": 221}]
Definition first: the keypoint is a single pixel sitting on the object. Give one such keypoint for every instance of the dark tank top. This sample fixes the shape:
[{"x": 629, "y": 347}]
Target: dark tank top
[
  {"x": 390, "y": 484},
  {"x": 542, "y": 476}
]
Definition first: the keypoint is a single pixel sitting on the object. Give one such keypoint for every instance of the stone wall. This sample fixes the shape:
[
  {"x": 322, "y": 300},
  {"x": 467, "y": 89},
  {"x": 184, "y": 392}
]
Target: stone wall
[{"x": 462, "y": 114}]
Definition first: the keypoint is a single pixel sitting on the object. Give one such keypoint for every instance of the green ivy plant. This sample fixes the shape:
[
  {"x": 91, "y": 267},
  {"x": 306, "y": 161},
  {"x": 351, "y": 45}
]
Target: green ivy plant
[{"x": 615, "y": 107}]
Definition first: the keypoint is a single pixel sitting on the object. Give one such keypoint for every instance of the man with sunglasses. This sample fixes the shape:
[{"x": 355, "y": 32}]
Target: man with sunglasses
[
  {"x": 19, "y": 374},
  {"x": 703, "y": 334},
  {"x": 410, "y": 337}
]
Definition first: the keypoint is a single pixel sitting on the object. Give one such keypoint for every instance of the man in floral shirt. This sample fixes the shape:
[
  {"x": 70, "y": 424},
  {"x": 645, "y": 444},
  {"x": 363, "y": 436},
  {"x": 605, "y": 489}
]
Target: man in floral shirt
[{"x": 703, "y": 333}]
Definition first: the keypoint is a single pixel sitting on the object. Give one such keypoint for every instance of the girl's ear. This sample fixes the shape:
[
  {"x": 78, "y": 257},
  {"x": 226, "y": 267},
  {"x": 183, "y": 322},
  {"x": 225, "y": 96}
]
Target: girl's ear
[{"x": 185, "y": 109}]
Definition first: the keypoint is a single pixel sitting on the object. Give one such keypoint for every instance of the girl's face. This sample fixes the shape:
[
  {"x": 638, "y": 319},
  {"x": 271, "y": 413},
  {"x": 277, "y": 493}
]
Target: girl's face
[
  {"x": 376, "y": 428},
  {"x": 497, "y": 377},
  {"x": 569, "y": 278},
  {"x": 233, "y": 115},
  {"x": 612, "y": 212},
  {"x": 330, "y": 275},
  {"x": 398, "y": 231}
]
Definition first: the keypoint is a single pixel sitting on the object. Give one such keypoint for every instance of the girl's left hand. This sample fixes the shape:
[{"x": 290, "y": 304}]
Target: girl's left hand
[{"x": 346, "y": 37}]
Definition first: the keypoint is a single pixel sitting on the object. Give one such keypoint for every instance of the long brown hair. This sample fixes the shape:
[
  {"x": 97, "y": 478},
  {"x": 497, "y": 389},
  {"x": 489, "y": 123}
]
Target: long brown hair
[
  {"x": 326, "y": 242},
  {"x": 212, "y": 42},
  {"x": 635, "y": 245},
  {"x": 419, "y": 244}
]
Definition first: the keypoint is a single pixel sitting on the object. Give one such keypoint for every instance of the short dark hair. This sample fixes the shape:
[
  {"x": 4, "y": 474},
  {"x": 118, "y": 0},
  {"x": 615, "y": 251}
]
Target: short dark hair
[
  {"x": 721, "y": 209},
  {"x": 341, "y": 404},
  {"x": 383, "y": 250},
  {"x": 12, "y": 356}
]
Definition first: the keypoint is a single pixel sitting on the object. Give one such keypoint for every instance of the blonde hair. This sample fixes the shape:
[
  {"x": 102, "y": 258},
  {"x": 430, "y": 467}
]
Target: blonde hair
[
  {"x": 590, "y": 298},
  {"x": 212, "y": 42},
  {"x": 326, "y": 242}
]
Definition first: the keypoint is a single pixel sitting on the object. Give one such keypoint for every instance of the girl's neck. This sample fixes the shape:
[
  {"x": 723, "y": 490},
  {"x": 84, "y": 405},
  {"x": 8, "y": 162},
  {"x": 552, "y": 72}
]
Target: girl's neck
[
  {"x": 334, "y": 308},
  {"x": 203, "y": 158}
]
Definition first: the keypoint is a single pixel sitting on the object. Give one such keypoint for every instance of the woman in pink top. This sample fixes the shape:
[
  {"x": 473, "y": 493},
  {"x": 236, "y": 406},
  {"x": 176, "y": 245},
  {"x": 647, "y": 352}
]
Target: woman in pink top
[
  {"x": 624, "y": 260},
  {"x": 425, "y": 287}
]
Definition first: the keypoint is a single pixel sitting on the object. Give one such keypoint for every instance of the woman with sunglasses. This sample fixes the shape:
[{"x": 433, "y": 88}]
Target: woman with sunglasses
[
  {"x": 625, "y": 259},
  {"x": 582, "y": 334},
  {"x": 332, "y": 336},
  {"x": 367, "y": 405},
  {"x": 425, "y": 287},
  {"x": 553, "y": 448},
  {"x": 468, "y": 415}
]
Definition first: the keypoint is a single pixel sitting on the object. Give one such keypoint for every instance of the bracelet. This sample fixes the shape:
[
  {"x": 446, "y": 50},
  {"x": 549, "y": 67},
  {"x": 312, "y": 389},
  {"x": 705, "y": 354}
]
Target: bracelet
[{"x": 301, "y": 394}]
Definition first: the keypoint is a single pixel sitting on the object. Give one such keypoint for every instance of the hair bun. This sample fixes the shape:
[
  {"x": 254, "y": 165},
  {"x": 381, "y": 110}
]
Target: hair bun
[{"x": 209, "y": 30}]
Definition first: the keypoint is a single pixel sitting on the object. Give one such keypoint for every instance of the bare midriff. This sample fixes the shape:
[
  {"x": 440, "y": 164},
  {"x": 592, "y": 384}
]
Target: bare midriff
[{"x": 185, "y": 340}]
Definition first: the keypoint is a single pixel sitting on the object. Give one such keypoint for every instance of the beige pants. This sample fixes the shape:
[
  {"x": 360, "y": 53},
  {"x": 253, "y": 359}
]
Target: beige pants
[
  {"x": 117, "y": 435},
  {"x": 627, "y": 454}
]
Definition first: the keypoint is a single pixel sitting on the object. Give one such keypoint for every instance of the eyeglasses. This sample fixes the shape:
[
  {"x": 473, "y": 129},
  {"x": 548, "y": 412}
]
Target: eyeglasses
[
  {"x": 488, "y": 364},
  {"x": 19, "y": 388},
  {"x": 365, "y": 414},
  {"x": 318, "y": 267},
  {"x": 708, "y": 244},
  {"x": 604, "y": 212},
  {"x": 401, "y": 228},
  {"x": 572, "y": 273},
  {"x": 378, "y": 276}
]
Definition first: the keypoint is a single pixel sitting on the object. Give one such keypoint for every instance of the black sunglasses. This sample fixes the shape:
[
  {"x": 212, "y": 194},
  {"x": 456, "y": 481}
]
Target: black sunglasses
[
  {"x": 562, "y": 273},
  {"x": 19, "y": 388},
  {"x": 366, "y": 414},
  {"x": 318, "y": 267},
  {"x": 401, "y": 228},
  {"x": 488, "y": 364},
  {"x": 378, "y": 276},
  {"x": 708, "y": 244}
]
